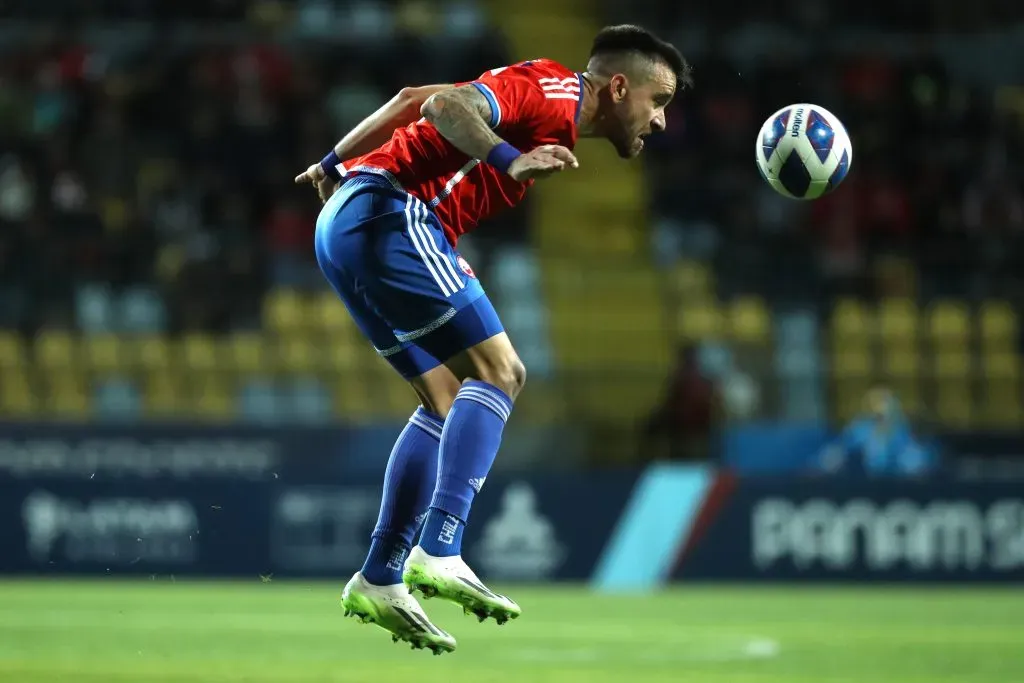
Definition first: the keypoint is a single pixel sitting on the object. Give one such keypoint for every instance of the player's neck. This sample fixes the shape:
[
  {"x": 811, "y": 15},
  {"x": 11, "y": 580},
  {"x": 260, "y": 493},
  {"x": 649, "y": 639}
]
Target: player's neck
[{"x": 587, "y": 127}]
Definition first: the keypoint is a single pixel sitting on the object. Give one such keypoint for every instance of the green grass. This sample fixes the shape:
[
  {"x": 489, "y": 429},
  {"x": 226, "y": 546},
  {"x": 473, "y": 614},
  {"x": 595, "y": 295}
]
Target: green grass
[{"x": 163, "y": 632}]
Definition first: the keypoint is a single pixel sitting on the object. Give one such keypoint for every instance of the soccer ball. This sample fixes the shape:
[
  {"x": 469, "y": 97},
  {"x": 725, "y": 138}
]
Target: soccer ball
[{"x": 803, "y": 151}]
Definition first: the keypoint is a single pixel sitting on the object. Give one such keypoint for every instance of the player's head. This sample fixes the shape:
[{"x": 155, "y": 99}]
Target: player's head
[{"x": 638, "y": 74}]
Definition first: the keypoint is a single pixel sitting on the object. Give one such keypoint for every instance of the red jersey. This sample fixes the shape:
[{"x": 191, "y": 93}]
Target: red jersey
[{"x": 532, "y": 104}]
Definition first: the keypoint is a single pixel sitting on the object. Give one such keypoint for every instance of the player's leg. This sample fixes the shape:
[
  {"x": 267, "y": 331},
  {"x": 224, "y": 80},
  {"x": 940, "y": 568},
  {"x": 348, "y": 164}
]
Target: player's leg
[
  {"x": 491, "y": 377},
  {"x": 376, "y": 593},
  {"x": 437, "y": 309}
]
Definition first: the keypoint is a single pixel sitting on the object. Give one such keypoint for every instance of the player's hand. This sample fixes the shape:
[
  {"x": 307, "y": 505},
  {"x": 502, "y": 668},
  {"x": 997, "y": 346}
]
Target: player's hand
[
  {"x": 315, "y": 175},
  {"x": 542, "y": 162}
]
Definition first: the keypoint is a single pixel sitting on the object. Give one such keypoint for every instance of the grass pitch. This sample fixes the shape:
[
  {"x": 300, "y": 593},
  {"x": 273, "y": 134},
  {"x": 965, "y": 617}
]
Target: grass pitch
[{"x": 183, "y": 632}]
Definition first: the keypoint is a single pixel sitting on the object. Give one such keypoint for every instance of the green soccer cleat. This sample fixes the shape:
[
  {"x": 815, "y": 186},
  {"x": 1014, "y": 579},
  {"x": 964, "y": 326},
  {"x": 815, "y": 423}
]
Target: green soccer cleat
[
  {"x": 450, "y": 578},
  {"x": 395, "y": 610}
]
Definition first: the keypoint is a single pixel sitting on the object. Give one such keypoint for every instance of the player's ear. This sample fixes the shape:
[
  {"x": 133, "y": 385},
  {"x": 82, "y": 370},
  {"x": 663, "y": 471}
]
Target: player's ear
[{"x": 618, "y": 85}]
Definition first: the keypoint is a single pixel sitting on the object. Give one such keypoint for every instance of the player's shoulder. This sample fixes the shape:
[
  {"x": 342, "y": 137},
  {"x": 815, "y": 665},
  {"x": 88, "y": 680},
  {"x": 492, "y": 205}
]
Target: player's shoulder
[{"x": 533, "y": 68}]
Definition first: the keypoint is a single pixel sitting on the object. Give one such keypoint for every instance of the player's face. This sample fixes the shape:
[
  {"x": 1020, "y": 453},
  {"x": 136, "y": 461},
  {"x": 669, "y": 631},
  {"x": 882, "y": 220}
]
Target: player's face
[{"x": 639, "y": 108}]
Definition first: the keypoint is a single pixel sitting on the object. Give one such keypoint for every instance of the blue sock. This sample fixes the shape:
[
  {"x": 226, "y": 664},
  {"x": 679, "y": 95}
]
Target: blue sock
[
  {"x": 469, "y": 442},
  {"x": 408, "y": 484}
]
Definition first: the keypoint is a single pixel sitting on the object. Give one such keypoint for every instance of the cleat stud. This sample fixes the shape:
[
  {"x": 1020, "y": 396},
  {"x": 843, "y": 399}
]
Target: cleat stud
[
  {"x": 394, "y": 639},
  {"x": 348, "y": 613}
]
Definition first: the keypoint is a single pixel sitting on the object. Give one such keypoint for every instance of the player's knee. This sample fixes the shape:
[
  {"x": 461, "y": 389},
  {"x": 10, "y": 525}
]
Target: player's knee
[{"x": 507, "y": 373}]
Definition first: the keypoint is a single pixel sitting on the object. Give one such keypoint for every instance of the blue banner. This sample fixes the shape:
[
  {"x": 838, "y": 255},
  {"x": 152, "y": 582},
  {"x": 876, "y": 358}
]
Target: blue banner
[
  {"x": 531, "y": 528},
  {"x": 863, "y": 530}
]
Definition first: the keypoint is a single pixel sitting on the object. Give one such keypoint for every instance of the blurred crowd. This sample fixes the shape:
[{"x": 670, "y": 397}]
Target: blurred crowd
[{"x": 154, "y": 175}]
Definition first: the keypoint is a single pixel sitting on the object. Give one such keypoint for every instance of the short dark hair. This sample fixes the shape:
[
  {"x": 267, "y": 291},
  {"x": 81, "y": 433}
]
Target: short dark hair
[{"x": 627, "y": 38}]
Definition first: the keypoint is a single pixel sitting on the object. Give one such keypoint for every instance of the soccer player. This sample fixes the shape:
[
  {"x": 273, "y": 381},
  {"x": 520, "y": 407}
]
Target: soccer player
[{"x": 399, "y": 190}]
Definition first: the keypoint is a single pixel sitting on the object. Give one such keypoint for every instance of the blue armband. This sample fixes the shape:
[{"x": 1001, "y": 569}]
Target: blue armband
[
  {"x": 330, "y": 165},
  {"x": 502, "y": 155}
]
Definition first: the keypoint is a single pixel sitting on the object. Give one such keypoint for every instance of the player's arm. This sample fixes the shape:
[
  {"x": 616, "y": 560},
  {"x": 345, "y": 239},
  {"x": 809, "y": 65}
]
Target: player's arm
[
  {"x": 464, "y": 115},
  {"x": 378, "y": 127},
  {"x": 368, "y": 135}
]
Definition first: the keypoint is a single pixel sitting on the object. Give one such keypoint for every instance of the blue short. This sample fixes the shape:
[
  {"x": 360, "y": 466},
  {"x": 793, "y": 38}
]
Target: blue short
[{"x": 408, "y": 290}]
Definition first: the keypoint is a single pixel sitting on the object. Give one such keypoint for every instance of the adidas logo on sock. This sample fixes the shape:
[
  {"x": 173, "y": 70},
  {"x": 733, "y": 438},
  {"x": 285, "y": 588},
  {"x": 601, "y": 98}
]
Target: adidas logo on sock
[{"x": 477, "y": 484}]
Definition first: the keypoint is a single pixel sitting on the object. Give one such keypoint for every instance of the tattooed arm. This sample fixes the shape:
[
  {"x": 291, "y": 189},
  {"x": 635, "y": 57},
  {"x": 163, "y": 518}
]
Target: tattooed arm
[{"x": 461, "y": 115}]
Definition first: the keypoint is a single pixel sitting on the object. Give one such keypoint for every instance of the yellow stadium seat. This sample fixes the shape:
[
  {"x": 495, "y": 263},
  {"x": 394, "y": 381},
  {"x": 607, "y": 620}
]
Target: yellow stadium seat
[
  {"x": 954, "y": 364},
  {"x": 897, "y": 321},
  {"x": 343, "y": 354},
  {"x": 245, "y": 353},
  {"x": 1001, "y": 406},
  {"x": 199, "y": 353},
  {"x": 692, "y": 280},
  {"x": 55, "y": 349},
  {"x": 697, "y": 323},
  {"x": 67, "y": 397},
  {"x": 103, "y": 354},
  {"x": 330, "y": 315},
  {"x": 998, "y": 324},
  {"x": 898, "y": 363},
  {"x": 17, "y": 396},
  {"x": 283, "y": 311},
  {"x": 848, "y": 397},
  {"x": 750, "y": 321},
  {"x": 949, "y": 324},
  {"x": 214, "y": 401},
  {"x": 852, "y": 322},
  {"x": 999, "y": 367},
  {"x": 954, "y": 403},
  {"x": 164, "y": 395},
  {"x": 153, "y": 352},
  {"x": 12, "y": 350},
  {"x": 353, "y": 397},
  {"x": 298, "y": 357},
  {"x": 853, "y": 364}
]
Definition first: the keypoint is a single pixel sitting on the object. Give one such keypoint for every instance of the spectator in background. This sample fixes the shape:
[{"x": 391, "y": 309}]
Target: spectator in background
[
  {"x": 878, "y": 443},
  {"x": 681, "y": 427}
]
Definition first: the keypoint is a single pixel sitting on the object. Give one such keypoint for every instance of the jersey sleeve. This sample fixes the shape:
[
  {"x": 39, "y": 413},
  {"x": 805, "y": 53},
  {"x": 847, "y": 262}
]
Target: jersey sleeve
[{"x": 520, "y": 95}]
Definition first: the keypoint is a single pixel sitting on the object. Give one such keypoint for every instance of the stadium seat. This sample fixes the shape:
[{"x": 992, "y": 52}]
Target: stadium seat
[
  {"x": 900, "y": 363},
  {"x": 283, "y": 311},
  {"x": 1001, "y": 366},
  {"x": 750, "y": 321},
  {"x": 213, "y": 400},
  {"x": 343, "y": 354},
  {"x": 152, "y": 352},
  {"x": 1000, "y": 407},
  {"x": 353, "y": 397},
  {"x": 103, "y": 354},
  {"x": 329, "y": 314},
  {"x": 258, "y": 402},
  {"x": 848, "y": 398},
  {"x": 692, "y": 280},
  {"x": 199, "y": 353},
  {"x": 998, "y": 325},
  {"x": 898, "y": 322},
  {"x": 697, "y": 322},
  {"x": 298, "y": 356},
  {"x": 309, "y": 401},
  {"x": 245, "y": 353},
  {"x": 953, "y": 364},
  {"x": 851, "y": 323},
  {"x": 949, "y": 324},
  {"x": 954, "y": 403},
  {"x": 18, "y": 397},
  {"x": 163, "y": 395},
  {"x": 67, "y": 397},
  {"x": 853, "y": 364},
  {"x": 55, "y": 349},
  {"x": 12, "y": 351},
  {"x": 117, "y": 400}
]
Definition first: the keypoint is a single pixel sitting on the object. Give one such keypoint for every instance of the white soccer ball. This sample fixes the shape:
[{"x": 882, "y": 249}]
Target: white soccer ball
[{"x": 803, "y": 151}]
